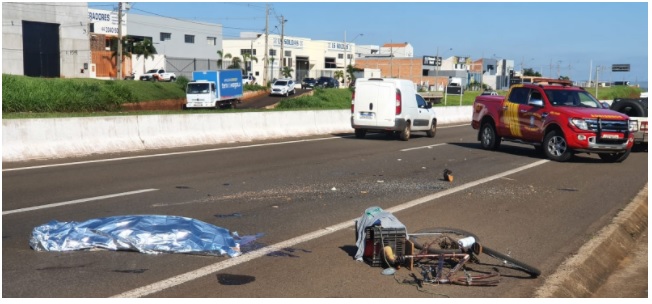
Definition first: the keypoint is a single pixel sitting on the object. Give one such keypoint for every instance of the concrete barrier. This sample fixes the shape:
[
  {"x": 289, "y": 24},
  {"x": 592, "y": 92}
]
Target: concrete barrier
[{"x": 50, "y": 138}]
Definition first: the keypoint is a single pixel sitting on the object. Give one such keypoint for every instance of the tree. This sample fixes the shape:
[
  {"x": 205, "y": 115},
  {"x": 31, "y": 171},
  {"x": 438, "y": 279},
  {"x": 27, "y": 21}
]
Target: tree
[
  {"x": 287, "y": 72},
  {"x": 223, "y": 56},
  {"x": 564, "y": 78},
  {"x": 248, "y": 58},
  {"x": 350, "y": 70},
  {"x": 127, "y": 47},
  {"x": 339, "y": 75},
  {"x": 235, "y": 63},
  {"x": 530, "y": 72},
  {"x": 144, "y": 48}
]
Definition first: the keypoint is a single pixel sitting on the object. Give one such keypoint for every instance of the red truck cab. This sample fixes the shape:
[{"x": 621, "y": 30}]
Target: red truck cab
[{"x": 557, "y": 118}]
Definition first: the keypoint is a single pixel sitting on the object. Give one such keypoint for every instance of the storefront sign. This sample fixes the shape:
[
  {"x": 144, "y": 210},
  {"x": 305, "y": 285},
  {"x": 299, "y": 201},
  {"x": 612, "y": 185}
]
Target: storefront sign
[
  {"x": 289, "y": 43},
  {"x": 106, "y": 22}
]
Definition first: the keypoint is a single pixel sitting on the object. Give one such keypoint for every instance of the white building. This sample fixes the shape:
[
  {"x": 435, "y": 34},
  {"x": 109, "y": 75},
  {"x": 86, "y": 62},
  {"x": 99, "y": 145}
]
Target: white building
[
  {"x": 397, "y": 50},
  {"x": 306, "y": 57}
]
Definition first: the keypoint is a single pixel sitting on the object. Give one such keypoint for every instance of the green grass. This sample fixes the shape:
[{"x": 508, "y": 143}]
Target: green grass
[
  {"x": 31, "y": 97},
  {"x": 321, "y": 99}
]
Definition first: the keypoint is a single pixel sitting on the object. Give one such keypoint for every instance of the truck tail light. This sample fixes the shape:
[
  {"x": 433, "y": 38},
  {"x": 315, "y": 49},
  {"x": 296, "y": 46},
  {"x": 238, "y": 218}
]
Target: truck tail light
[
  {"x": 644, "y": 126},
  {"x": 399, "y": 103},
  {"x": 352, "y": 101}
]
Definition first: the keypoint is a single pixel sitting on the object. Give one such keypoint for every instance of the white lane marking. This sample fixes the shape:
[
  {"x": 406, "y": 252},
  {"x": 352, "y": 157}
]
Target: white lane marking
[
  {"x": 204, "y": 271},
  {"x": 169, "y": 154},
  {"x": 423, "y": 147},
  {"x": 79, "y": 201}
]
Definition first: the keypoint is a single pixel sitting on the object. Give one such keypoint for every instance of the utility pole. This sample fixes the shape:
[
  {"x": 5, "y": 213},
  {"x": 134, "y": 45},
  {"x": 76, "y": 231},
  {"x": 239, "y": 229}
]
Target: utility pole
[
  {"x": 265, "y": 63},
  {"x": 119, "y": 59},
  {"x": 282, "y": 55},
  {"x": 437, "y": 67},
  {"x": 345, "y": 53}
]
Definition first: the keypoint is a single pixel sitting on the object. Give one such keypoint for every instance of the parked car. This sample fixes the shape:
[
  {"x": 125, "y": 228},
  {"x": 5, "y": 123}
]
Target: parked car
[
  {"x": 283, "y": 87},
  {"x": 327, "y": 82},
  {"x": 308, "y": 83},
  {"x": 489, "y": 93},
  {"x": 248, "y": 79}
]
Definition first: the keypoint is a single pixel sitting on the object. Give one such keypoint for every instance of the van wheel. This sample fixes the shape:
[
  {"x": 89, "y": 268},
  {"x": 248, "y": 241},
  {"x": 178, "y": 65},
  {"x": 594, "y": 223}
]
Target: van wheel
[
  {"x": 433, "y": 129},
  {"x": 360, "y": 133},
  {"x": 405, "y": 134}
]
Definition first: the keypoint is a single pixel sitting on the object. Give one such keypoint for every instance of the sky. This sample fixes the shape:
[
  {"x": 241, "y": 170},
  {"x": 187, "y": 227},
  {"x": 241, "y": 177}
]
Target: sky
[{"x": 553, "y": 38}]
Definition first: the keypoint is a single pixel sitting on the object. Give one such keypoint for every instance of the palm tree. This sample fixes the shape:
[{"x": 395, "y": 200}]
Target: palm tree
[
  {"x": 339, "y": 75},
  {"x": 287, "y": 72},
  {"x": 127, "y": 47},
  {"x": 144, "y": 48},
  {"x": 248, "y": 58},
  {"x": 222, "y": 56},
  {"x": 235, "y": 63}
]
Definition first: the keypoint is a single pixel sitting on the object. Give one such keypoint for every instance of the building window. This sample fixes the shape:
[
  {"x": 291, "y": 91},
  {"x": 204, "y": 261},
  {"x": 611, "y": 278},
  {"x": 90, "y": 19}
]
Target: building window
[
  {"x": 272, "y": 52},
  {"x": 340, "y": 56},
  {"x": 190, "y": 38},
  {"x": 247, "y": 51},
  {"x": 287, "y": 62},
  {"x": 166, "y": 36},
  {"x": 288, "y": 53},
  {"x": 211, "y": 40},
  {"x": 349, "y": 56},
  {"x": 329, "y": 63}
]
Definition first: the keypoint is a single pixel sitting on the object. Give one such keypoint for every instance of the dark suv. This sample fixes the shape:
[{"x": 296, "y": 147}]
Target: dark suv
[
  {"x": 327, "y": 82},
  {"x": 308, "y": 83}
]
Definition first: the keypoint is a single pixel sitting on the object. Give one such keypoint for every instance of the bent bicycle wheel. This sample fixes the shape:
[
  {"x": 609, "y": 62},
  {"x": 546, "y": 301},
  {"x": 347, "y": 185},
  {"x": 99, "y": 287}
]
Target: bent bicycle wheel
[
  {"x": 507, "y": 260},
  {"x": 440, "y": 240},
  {"x": 447, "y": 240}
]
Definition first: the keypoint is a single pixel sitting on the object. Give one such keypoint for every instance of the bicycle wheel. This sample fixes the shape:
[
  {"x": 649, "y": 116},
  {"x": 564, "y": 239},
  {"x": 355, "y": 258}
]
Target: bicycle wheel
[
  {"x": 509, "y": 261},
  {"x": 446, "y": 240},
  {"x": 440, "y": 239}
]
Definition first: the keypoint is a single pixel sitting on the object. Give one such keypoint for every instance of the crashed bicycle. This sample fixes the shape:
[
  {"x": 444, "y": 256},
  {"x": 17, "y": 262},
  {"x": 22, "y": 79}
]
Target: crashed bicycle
[{"x": 441, "y": 253}]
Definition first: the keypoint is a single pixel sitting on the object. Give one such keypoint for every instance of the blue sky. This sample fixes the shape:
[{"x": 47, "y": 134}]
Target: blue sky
[{"x": 548, "y": 36}]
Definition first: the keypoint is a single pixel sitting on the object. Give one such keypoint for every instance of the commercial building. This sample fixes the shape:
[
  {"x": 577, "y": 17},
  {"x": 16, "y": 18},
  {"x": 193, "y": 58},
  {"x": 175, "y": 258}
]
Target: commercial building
[
  {"x": 306, "y": 57},
  {"x": 61, "y": 30}
]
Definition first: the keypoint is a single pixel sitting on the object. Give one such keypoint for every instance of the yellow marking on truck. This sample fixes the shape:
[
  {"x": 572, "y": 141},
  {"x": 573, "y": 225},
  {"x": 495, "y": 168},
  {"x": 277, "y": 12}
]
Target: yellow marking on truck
[
  {"x": 512, "y": 119},
  {"x": 605, "y": 116}
]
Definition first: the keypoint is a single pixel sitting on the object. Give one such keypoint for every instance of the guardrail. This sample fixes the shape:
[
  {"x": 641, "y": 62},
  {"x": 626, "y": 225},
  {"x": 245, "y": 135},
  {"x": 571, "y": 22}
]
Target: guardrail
[{"x": 51, "y": 138}]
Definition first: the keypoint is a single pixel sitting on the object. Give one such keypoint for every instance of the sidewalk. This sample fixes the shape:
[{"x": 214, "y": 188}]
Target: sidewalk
[{"x": 630, "y": 279}]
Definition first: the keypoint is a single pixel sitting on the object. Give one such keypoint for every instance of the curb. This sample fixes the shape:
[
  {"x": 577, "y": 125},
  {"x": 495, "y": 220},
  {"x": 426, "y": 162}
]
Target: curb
[{"x": 582, "y": 274}]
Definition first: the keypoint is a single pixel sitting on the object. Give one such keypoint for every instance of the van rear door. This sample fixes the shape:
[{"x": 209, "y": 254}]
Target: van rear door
[{"x": 375, "y": 103}]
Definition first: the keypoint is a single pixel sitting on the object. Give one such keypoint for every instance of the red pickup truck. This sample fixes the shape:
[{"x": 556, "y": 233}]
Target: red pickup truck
[{"x": 556, "y": 118}]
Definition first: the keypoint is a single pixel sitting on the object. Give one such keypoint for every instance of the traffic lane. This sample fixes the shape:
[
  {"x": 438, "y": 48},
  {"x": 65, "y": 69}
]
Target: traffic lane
[
  {"x": 28, "y": 188},
  {"x": 537, "y": 216},
  {"x": 278, "y": 215},
  {"x": 301, "y": 216}
]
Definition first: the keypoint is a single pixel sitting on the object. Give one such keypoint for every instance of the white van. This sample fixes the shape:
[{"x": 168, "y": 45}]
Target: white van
[{"x": 390, "y": 106}]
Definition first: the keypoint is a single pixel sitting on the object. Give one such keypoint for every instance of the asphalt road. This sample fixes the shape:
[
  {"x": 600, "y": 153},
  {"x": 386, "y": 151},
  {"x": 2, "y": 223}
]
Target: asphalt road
[{"x": 304, "y": 195}]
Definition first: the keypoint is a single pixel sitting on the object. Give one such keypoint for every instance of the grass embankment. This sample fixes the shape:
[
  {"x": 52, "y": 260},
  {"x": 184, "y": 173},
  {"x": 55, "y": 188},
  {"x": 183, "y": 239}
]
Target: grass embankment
[{"x": 29, "y": 97}]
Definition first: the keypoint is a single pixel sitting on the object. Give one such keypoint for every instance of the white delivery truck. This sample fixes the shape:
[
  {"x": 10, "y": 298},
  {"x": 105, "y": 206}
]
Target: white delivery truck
[
  {"x": 214, "y": 89},
  {"x": 390, "y": 106}
]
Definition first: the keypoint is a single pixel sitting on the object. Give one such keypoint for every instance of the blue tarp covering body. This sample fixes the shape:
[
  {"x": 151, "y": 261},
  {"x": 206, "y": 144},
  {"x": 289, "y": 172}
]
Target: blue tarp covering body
[{"x": 144, "y": 233}]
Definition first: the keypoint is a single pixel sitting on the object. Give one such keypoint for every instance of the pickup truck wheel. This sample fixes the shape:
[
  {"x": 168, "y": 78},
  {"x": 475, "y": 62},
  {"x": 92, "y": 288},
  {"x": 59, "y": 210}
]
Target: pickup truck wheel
[
  {"x": 630, "y": 108},
  {"x": 555, "y": 147},
  {"x": 488, "y": 138},
  {"x": 405, "y": 134},
  {"x": 433, "y": 129},
  {"x": 614, "y": 157},
  {"x": 360, "y": 133}
]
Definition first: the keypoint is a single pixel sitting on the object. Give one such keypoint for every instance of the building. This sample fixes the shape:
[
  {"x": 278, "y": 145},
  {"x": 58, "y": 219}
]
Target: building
[
  {"x": 304, "y": 56},
  {"x": 397, "y": 50},
  {"x": 62, "y": 30},
  {"x": 187, "y": 46}
]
